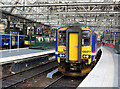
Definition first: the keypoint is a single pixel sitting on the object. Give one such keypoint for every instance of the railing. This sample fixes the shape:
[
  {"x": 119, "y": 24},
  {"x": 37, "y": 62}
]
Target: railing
[
  {"x": 44, "y": 45},
  {"x": 110, "y": 45},
  {"x": 116, "y": 46}
]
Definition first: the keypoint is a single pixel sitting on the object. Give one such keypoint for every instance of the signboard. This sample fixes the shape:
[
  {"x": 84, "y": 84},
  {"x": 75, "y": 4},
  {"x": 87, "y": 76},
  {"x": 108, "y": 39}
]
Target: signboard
[
  {"x": 14, "y": 32},
  {"x": 39, "y": 29},
  {"x": 115, "y": 33},
  {"x": 53, "y": 29},
  {"x": 107, "y": 30},
  {"x": 46, "y": 32}
]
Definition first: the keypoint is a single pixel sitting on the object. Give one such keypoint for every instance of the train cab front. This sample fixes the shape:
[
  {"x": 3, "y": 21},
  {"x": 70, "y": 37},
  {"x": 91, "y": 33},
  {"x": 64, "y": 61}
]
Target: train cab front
[
  {"x": 29, "y": 39},
  {"x": 74, "y": 51}
]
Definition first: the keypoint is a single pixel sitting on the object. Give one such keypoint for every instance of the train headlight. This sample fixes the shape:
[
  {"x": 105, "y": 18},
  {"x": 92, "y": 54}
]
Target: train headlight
[
  {"x": 61, "y": 55},
  {"x": 86, "y": 56}
]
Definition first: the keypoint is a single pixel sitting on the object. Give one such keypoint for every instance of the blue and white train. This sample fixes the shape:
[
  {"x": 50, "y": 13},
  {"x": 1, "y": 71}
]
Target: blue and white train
[{"x": 6, "y": 40}]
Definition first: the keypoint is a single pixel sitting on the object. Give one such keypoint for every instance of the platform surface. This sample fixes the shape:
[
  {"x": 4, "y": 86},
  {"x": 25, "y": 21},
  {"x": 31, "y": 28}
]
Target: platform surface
[
  {"x": 105, "y": 73},
  {"x": 16, "y": 54}
]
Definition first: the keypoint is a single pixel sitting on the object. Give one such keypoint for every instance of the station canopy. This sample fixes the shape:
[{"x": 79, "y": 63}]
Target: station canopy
[{"x": 56, "y": 13}]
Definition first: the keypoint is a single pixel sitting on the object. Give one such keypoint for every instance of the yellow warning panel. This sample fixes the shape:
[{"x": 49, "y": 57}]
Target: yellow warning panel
[{"x": 73, "y": 46}]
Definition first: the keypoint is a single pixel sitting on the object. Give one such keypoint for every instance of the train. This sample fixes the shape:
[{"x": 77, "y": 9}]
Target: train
[
  {"x": 37, "y": 39},
  {"x": 27, "y": 40},
  {"x": 77, "y": 49},
  {"x": 6, "y": 38},
  {"x": 24, "y": 40}
]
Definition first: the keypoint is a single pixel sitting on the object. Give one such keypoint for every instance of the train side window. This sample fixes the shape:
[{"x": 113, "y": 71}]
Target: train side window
[
  {"x": 32, "y": 38},
  {"x": 3, "y": 39},
  {"x": 8, "y": 39},
  {"x": 46, "y": 39},
  {"x": 62, "y": 38},
  {"x": 52, "y": 39},
  {"x": 85, "y": 38},
  {"x": 20, "y": 39},
  {"x": 41, "y": 39},
  {"x": 13, "y": 38},
  {"x": 37, "y": 39}
]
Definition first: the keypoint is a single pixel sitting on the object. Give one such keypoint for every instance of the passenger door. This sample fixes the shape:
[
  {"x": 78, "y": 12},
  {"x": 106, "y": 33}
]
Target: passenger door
[
  {"x": 13, "y": 41},
  {"x": 73, "y": 46}
]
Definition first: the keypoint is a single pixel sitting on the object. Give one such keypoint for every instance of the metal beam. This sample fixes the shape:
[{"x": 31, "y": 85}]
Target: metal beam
[
  {"x": 57, "y": 13},
  {"x": 76, "y": 17},
  {"x": 6, "y": 14},
  {"x": 59, "y": 4}
]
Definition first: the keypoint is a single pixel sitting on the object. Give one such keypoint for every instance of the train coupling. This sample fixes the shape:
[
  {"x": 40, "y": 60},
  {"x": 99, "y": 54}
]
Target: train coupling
[{"x": 73, "y": 66}]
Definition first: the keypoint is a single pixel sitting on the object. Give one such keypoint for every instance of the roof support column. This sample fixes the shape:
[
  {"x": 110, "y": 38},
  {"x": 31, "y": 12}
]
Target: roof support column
[
  {"x": 14, "y": 27},
  {"x": 24, "y": 29},
  {"x": 42, "y": 32},
  {"x": 34, "y": 29},
  {"x": 8, "y": 25}
]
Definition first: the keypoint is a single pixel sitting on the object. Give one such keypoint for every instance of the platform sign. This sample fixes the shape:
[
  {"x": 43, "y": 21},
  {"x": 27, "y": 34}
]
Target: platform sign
[
  {"x": 14, "y": 32},
  {"x": 46, "y": 32},
  {"x": 39, "y": 30},
  {"x": 115, "y": 33},
  {"x": 107, "y": 30},
  {"x": 52, "y": 29}
]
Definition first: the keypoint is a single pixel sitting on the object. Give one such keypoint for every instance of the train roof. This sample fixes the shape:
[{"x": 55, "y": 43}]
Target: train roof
[{"x": 76, "y": 24}]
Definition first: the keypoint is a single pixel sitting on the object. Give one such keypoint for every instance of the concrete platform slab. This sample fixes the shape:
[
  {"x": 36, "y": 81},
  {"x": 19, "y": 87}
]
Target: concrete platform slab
[
  {"x": 7, "y": 56},
  {"x": 105, "y": 73},
  {"x": 23, "y": 59},
  {"x": 16, "y": 52}
]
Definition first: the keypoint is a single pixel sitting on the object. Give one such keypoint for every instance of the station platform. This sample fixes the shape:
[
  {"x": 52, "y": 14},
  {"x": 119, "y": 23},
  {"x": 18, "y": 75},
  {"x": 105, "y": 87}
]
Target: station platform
[
  {"x": 105, "y": 73},
  {"x": 17, "y": 54},
  {"x": 15, "y": 60}
]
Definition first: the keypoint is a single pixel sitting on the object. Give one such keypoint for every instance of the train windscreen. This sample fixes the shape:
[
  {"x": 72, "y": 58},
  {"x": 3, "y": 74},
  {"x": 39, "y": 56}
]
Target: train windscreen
[
  {"x": 3, "y": 39},
  {"x": 26, "y": 38},
  {"x": 8, "y": 39},
  {"x": 62, "y": 38},
  {"x": 32, "y": 38},
  {"x": 47, "y": 40},
  {"x": 39, "y": 39},
  {"x": 85, "y": 38}
]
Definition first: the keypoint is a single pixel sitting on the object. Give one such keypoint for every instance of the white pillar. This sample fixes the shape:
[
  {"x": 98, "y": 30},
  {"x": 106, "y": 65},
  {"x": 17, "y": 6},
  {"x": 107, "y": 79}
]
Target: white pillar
[
  {"x": 10, "y": 41},
  {"x": 18, "y": 41}
]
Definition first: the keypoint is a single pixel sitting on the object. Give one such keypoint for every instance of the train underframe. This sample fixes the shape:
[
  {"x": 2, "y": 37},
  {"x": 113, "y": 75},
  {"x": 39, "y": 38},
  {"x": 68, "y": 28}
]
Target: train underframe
[
  {"x": 74, "y": 69},
  {"x": 77, "y": 69}
]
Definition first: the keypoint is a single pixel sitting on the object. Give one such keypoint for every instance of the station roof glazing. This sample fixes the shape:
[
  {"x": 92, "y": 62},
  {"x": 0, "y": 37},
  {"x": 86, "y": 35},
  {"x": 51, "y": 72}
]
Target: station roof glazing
[{"x": 44, "y": 11}]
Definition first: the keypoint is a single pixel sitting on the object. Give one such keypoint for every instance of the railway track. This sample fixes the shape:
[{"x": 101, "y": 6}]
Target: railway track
[
  {"x": 65, "y": 82},
  {"x": 53, "y": 82},
  {"x": 42, "y": 63},
  {"x": 21, "y": 77}
]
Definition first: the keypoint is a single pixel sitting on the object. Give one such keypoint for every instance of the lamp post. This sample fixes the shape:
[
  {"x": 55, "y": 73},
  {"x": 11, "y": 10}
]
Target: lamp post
[{"x": 8, "y": 25}]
